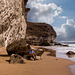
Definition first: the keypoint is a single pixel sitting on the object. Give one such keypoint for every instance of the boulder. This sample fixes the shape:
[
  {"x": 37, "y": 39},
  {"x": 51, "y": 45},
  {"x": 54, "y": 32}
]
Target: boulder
[
  {"x": 18, "y": 48},
  {"x": 70, "y": 53},
  {"x": 39, "y": 52},
  {"x": 52, "y": 53},
  {"x": 15, "y": 58}
]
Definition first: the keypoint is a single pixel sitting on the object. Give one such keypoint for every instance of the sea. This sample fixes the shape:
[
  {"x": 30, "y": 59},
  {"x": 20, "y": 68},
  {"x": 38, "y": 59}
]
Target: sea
[{"x": 61, "y": 52}]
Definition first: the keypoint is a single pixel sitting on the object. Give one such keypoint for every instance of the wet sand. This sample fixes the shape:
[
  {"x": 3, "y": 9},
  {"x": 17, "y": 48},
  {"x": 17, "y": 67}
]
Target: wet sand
[{"x": 47, "y": 66}]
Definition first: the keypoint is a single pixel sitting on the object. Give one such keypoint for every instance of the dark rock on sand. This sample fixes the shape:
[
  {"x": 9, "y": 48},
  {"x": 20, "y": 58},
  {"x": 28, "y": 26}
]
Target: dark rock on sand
[
  {"x": 60, "y": 44},
  {"x": 70, "y": 53},
  {"x": 39, "y": 52},
  {"x": 15, "y": 58},
  {"x": 18, "y": 48},
  {"x": 52, "y": 53}
]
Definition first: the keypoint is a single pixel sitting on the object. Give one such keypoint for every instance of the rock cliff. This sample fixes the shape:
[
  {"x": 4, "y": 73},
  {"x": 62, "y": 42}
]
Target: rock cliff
[
  {"x": 40, "y": 33},
  {"x": 12, "y": 23}
]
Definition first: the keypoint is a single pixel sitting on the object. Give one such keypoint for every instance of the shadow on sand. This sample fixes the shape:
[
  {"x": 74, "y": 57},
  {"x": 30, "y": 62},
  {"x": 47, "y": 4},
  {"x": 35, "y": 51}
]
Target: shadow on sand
[{"x": 4, "y": 55}]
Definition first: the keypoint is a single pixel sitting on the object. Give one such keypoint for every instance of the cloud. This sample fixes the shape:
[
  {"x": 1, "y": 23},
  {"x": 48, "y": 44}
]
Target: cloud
[
  {"x": 63, "y": 17},
  {"x": 67, "y": 31},
  {"x": 41, "y": 12}
]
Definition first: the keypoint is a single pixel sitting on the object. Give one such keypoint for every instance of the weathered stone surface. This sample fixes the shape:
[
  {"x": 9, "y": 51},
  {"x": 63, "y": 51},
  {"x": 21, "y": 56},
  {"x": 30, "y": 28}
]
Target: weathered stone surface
[
  {"x": 26, "y": 12},
  {"x": 70, "y": 53},
  {"x": 52, "y": 53},
  {"x": 12, "y": 23},
  {"x": 12, "y": 15},
  {"x": 37, "y": 33},
  {"x": 18, "y": 48},
  {"x": 39, "y": 52},
  {"x": 45, "y": 43},
  {"x": 15, "y": 58}
]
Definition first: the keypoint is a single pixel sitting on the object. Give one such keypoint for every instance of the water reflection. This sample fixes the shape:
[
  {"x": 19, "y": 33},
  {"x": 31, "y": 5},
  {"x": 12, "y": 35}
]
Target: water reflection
[
  {"x": 72, "y": 69},
  {"x": 51, "y": 54},
  {"x": 61, "y": 52},
  {"x": 71, "y": 56}
]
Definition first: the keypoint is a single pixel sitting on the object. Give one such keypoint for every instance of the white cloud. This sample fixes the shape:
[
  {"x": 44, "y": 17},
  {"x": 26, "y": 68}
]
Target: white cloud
[
  {"x": 63, "y": 17},
  {"x": 42, "y": 12},
  {"x": 67, "y": 31}
]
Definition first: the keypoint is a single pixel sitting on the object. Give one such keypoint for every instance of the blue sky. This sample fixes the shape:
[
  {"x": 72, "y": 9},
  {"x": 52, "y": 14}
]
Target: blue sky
[
  {"x": 58, "y": 13},
  {"x": 68, "y": 7}
]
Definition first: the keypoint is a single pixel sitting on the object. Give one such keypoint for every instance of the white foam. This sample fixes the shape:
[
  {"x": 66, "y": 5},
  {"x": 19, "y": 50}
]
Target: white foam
[{"x": 71, "y": 45}]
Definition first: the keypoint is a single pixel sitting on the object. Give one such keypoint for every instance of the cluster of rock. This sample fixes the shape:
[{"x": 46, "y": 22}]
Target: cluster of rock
[
  {"x": 51, "y": 52},
  {"x": 41, "y": 50},
  {"x": 15, "y": 58},
  {"x": 13, "y": 25},
  {"x": 38, "y": 52}
]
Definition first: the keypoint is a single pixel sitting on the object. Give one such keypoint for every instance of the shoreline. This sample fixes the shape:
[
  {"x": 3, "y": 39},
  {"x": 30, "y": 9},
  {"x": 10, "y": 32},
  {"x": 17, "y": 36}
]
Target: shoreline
[
  {"x": 71, "y": 67},
  {"x": 48, "y": 65}
]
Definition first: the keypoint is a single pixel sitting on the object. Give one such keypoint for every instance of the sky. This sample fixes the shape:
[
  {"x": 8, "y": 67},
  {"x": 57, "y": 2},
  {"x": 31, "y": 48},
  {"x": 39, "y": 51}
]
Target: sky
[{"x": 58, "y": 13}]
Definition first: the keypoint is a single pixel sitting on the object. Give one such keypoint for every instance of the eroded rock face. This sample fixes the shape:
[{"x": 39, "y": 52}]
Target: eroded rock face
[
  {"x": 40, "y": 34},
  {"x": 12, "y": 22}
]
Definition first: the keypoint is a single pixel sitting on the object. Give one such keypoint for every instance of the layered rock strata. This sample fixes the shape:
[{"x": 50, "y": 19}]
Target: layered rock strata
[{"x": 12, "y": 23}]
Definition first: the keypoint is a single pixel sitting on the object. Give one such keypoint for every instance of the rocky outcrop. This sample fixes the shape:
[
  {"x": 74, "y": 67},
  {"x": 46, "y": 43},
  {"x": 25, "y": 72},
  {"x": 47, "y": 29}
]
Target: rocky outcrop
[
  {"x": 60, "y": 44},
  {"x": 12, "y": 23},
  {"x": 39, "y": 52},
  {"x": 40, "y": 34},
  {"x": 26, "y": 12},
  {"x": 52, "y": 53},
  {"x": 70, "y": 53},
  {"x": 15, "y": 59},
  {"x": 19, "y": 48},
  {"x": 13, "y": 20}
]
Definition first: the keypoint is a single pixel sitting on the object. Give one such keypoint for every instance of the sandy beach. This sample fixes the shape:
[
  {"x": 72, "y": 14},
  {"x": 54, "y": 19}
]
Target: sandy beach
[{"x": 48, "y": 65}]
